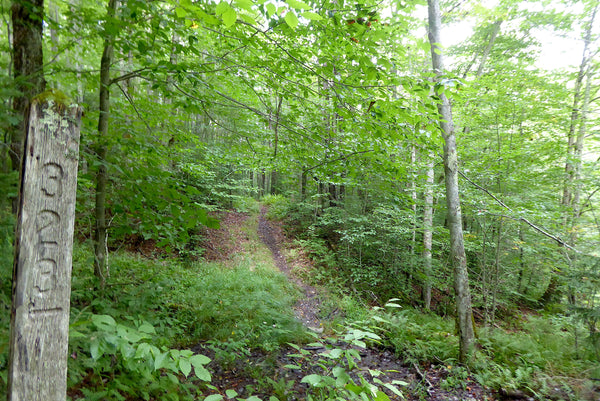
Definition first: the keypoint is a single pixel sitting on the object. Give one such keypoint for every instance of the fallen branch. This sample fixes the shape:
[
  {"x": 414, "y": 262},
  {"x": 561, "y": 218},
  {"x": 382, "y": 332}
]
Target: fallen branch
[{"x": 424, "y": 378}]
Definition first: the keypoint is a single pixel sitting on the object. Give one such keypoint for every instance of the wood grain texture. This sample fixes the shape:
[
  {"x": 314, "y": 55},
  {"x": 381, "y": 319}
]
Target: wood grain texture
[{"x": 43, "y": 255}]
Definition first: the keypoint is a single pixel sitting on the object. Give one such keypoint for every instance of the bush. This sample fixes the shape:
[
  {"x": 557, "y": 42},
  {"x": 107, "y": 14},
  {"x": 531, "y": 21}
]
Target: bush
[{"x": 278, "y": 206}]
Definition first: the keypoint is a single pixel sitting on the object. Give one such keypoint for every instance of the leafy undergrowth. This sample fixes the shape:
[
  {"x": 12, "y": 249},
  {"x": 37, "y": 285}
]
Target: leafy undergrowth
[{"x": 179, "y": 330}]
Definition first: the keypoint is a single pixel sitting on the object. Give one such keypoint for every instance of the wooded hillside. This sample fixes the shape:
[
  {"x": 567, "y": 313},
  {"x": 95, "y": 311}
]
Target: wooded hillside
[{"x": 442, "y": 155}]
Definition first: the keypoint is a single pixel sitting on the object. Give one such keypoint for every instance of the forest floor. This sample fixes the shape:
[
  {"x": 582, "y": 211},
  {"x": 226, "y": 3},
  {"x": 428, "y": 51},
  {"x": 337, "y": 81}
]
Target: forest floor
[{"x": 260, "y": 372}]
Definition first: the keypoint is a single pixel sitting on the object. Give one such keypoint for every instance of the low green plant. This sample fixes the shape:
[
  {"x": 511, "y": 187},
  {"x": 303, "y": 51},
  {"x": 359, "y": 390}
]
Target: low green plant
[
  {"x": 277, "y": 205},
  {"x": 457, "y": 378},
  {"x": 418, "y": 336},
  {"x": 113, "y": 361},
  {"x": 338, "y": 365},
  {"x": 175, "y": 304},
  {"x": 245, "y": 204}
]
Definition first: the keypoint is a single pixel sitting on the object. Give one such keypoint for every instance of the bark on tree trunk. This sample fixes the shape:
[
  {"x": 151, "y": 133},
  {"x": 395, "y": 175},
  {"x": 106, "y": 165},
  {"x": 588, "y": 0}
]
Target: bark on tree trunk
[
  {"x": 100, "y": 234},
  {"x": 464, "y": 314},
  {"x": 28, "y": 60},
  {"x": 570, "y": 198},
  {"x": 571, "y": 138},
  {"x": 303, "y": 183},
  {"x": 428, "y": 232}
]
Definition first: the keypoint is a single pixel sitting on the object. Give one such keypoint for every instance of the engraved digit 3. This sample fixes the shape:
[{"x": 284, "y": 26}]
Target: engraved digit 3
[{"x": 52, "y": 174}]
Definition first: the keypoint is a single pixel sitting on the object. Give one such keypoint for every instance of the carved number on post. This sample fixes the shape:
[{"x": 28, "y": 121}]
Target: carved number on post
[
  {"x": 47, "y": 222},
  {"x": 42, "y": 270}
]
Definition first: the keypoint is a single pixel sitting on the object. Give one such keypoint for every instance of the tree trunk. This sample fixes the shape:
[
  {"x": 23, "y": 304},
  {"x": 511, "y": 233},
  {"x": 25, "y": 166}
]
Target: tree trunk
[
  {"x": 413, "y": 197},
  {"x": 571, "y": 137},
  {"x": 428, "y": 232},
  {"x": 100, "y": 234},
  {"x": 303, "y": 183},
  {"x": 464, "y": 313},
  {"x": 28, "y": 62},
  {"x": 570, "y": 198}
]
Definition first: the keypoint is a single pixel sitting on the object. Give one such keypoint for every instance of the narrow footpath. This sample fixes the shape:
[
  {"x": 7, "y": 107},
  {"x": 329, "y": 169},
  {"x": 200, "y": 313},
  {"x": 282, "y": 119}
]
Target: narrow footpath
[
  {"x": 423, "y": 382},
  {"x": 308, "y": 307}
]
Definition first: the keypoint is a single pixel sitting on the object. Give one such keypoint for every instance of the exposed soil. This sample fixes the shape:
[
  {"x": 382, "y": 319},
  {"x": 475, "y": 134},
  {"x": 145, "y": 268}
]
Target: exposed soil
[
  {"x": 308, "y": 307},
  {"x": 257, "y": 373}
]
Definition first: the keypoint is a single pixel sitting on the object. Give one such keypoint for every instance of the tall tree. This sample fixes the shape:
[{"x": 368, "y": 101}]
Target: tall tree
[
  {"x": 28, "y": 61},
  {"x": 100, "y": 233},
  {"x": 573, "y": 142},
  {"x": 464, "y": 314}
]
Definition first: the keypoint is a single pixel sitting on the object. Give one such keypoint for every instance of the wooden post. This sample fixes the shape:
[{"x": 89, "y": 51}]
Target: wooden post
[{"x": 43, "y": 255}]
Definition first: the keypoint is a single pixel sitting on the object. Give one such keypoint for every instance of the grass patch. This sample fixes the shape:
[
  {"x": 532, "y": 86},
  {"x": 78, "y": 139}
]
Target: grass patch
[{"x": 248, "y": 302}]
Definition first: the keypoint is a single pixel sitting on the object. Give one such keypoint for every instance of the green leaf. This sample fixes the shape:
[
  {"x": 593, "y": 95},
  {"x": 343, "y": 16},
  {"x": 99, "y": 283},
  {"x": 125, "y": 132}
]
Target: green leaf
[
  {"x": 313, "y": 380},
  {"x": 95, "y": 349},
  {"x": 159, "y": 360},
  {"x": 311, "y": 16},
  {"x": 354, "y": 388},
  {"x": 199, "y": 360},
  {"x": 76, "y": 334},
  {"x": 221, "y": 8},
  {"x": 244, "y": 4},
  {"x": 291, "y": 19},
  {"x": 214, "y": 397},
  {"x": 185, "y": 366},
  {"x": 147, "y": 328},
  {"x": 202, "y": 373},
  {"x": 298, "y": 4},
  {"x": 180, "y": 12},
  {"x": 103, "y": 321},
  {"x": 247, "y": 19},
  {"x": 231, "y": 393},
  {"x": 393, "y": 389},
  {"x": 229, "y": 17},
  {"x": 271, "y": 9},
  {"x": 381, "y": 396}
]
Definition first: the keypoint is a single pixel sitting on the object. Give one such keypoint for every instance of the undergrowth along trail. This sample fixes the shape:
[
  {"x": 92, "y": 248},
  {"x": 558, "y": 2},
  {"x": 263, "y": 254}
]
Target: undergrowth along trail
[{"x": 341, "y": 356}]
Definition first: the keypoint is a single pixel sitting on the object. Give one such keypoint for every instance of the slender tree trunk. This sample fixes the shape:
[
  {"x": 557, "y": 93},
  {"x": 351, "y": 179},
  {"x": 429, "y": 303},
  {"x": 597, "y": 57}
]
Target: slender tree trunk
[
  {"x": 459, "y": 260},
  {"x": 573, "y": 158},
  {"x": 100, "y": 235},
  {"x": 303, "y": 183},
  {"x": 413, "y": 197},
  {"x": 578, "y": 155},
  {"x": 575, "y": 111},
  {"x": 428, "y": 232},
  {"x": 28, "y": 61},
  {"x": 6, "y": 139}
]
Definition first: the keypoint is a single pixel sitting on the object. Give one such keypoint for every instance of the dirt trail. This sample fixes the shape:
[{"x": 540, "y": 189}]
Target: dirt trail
[
  {"x": 428, "y": 378},
  {"x": 307, "y": 308},
  {"x": 424, "y": 382}
]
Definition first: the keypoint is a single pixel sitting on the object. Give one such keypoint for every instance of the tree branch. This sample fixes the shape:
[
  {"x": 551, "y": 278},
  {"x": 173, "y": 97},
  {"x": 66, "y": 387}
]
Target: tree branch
[{"x": 542, "y": 231}]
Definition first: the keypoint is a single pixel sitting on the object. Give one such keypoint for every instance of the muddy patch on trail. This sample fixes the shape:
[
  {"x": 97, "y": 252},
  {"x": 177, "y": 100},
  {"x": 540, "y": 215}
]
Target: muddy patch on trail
[{"x": 307, "y": 308}]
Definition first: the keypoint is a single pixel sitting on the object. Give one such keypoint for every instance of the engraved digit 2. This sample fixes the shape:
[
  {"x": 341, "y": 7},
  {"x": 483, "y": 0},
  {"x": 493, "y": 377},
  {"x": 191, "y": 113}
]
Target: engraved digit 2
[{"x": 45, "y": 221}]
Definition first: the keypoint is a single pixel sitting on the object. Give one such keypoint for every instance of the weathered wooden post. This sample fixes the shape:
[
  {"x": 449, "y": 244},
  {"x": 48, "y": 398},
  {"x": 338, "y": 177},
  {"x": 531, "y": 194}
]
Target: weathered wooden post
[{"x": 43, "y": 253}]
